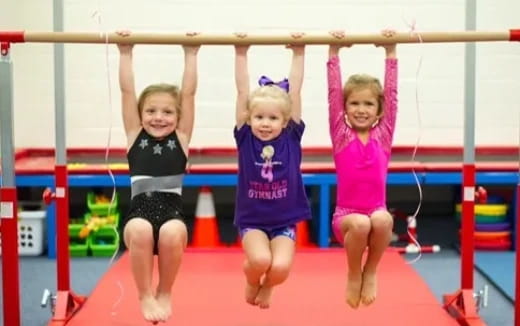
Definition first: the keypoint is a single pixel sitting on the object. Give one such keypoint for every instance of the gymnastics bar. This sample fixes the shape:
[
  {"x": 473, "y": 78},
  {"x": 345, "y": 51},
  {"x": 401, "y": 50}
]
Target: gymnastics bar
[
  {"x": 6, "y": 38},
  {"x": 260, "y": 39}
]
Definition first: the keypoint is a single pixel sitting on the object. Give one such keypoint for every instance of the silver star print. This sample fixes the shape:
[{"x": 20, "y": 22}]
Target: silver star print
[
  {"x": 144, "y": 143},
  {"x": 157, "y": 149},
  {"x": 171, "y": 144}
]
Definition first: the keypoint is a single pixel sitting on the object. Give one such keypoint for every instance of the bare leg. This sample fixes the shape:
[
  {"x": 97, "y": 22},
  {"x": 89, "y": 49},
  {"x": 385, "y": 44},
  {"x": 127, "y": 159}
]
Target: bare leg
[
  {"x": 355, "y": 229},
  {"x": 379, "y": 238},
  {"x": 258, "y": 261},
  {"x": 172, "y": 242},
  {"x": 138, "y": 238},
  {"x": 282, "y": 249}
]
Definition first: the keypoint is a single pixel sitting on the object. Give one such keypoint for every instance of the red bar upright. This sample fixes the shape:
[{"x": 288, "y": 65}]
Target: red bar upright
[
  {"x": 67, "y": 303},
  {"x": 468, "y": 226},
  {"x": 62, "y": 226},
  {"x": 10, "y": 268}
]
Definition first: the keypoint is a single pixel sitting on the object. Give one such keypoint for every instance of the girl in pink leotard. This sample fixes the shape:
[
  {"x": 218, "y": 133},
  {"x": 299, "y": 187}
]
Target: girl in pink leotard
[{"x": 362, "y": 120}]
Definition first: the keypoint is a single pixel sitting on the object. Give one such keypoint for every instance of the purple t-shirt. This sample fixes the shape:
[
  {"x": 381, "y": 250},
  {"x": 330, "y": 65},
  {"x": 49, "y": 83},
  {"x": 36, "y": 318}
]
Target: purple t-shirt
[{"x": 270, "y": 192}]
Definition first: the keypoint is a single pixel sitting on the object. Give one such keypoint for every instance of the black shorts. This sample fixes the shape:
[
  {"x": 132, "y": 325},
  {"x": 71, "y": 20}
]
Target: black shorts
[{"x": 157, "y": 208}]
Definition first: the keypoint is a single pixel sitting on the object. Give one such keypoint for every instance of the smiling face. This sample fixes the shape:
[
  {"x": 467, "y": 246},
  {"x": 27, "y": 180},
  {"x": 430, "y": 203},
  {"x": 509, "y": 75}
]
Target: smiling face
[
  {"x": 364, "y": 101},
  {"x": 269, "y": 110},
  {"x": 159, "y": 115},
  {"x": 267, "y": 120},
  {"x": 362, "y": 109}
]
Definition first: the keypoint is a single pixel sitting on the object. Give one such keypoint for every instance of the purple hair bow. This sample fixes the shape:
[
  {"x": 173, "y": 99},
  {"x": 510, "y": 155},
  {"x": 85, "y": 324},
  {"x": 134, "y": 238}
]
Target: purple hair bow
[{"x": 266, "y": 81}]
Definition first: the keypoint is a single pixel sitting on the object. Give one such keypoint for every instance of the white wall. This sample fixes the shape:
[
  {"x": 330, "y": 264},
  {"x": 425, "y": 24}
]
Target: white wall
[{"x": 91, "y": 112}]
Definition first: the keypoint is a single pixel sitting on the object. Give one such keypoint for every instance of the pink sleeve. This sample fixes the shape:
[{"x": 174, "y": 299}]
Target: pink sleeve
[
  {"x": 339, "y": 130},
  {"x": 385, "y": 129}
]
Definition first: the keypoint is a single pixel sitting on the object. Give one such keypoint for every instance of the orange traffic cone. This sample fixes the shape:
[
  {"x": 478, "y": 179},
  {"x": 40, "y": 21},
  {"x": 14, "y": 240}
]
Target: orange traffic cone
[
  {"x": 303, "y": 239},
  {"x": 205, "y": 228}
]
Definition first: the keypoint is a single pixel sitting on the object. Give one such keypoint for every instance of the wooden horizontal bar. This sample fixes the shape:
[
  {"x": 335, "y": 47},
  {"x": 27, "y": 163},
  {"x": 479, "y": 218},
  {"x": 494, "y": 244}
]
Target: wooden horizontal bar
[{"x": 262, "y": 39}]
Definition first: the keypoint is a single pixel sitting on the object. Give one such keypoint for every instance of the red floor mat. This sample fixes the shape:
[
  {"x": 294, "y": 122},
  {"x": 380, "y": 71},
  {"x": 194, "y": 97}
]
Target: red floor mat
[{"x": 209, "y": 291}]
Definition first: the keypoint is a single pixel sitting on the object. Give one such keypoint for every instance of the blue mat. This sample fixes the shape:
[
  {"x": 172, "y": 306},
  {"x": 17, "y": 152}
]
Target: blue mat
[{"x": 499, "y": 267}]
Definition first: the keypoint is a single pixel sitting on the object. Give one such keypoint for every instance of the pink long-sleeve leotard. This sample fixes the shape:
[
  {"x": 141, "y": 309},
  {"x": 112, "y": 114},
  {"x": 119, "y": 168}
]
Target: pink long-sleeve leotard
[{"x": 361, "y": 168}]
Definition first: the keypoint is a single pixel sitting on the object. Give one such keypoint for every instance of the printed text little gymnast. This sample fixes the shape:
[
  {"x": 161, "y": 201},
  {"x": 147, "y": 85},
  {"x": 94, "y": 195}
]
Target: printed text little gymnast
[{"x": 268, "y": 190}]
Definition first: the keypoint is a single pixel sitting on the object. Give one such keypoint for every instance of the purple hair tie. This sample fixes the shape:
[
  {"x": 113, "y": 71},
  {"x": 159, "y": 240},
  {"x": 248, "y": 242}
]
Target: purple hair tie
[{"x": 266, "y": 81}]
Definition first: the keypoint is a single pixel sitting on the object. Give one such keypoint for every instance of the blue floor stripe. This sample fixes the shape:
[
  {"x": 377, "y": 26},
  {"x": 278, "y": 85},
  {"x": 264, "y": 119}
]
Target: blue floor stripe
[{"x": 499, "y": 267}]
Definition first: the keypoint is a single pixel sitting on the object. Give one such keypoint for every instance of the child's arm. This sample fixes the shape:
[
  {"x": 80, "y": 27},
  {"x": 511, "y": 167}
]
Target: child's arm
[
  {"x": 337, "y": 126},
  {"x": 188, "y": 90},
  {"x": 296, "y": 79},
  {"x": 131, "y": 118},
  {"x": 387, "y": 123},
  {"x": 242, "y": 83}
]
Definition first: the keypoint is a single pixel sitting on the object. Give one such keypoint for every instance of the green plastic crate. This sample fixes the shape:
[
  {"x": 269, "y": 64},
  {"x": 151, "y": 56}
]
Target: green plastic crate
[
  {"x": 103, "y": 243},
  {"x": 101, "y": 209},
  {"x": 115, "y": 214},
  {"x": 77, "y": 247}
]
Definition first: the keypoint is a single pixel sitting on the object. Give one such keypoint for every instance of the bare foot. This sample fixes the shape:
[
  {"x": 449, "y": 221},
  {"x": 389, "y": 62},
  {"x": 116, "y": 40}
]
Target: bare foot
[
  {"x": 368, "y": 291},
  {"x": 165, "y": 304},
  {"x": 353, "y": 293},
  {"x": 263, "y": 299},
  {"x": 251, "y": 293},
  {"x": 150, "y": 309}
]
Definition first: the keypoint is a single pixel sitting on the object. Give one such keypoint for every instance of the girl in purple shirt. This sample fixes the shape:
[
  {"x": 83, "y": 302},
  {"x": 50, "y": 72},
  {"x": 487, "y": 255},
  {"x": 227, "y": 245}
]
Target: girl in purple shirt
[
  {"x": 362, "y": 120},
  {"x": 270, "y": 194}
]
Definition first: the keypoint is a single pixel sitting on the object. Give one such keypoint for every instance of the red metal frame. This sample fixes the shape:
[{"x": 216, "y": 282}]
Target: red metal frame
[
  {"x": 10, "y": 268},
  {"x": 62, "y": 228},
  {"x": 8, "y": 37},
  {"x": 461, "y": 304},
  {"x": 9, "y": 233},
  {"x": 12, "y": 36},
  {"x": 4, "y": 48},
  {"x": 67, "y": 303},
  {"x": 514, "y": 35},
  {"x": 468, "y": 228}
]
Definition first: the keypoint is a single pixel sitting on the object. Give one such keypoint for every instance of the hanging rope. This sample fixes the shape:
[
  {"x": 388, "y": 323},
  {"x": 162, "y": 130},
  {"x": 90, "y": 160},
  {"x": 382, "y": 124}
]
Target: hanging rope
[
  {"x": 97, "y": 15},
  {"x": 412, "y": 220}
]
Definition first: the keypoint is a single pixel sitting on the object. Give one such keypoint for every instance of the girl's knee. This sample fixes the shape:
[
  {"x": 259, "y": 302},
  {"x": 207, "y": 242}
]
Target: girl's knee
[
  {"x": 360, "y": 226},
  {"x": 259, "y": 262},
  {"x": 173, "y": 234},
  {"x": 138, "y": 232},
  {"x": 382, "y": 221},
  {"x": 280, "y": 270}
]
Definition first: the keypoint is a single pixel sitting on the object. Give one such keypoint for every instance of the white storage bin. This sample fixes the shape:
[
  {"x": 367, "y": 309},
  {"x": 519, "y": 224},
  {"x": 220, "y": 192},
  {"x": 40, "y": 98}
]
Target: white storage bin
[{"x": 31, "y": 232}]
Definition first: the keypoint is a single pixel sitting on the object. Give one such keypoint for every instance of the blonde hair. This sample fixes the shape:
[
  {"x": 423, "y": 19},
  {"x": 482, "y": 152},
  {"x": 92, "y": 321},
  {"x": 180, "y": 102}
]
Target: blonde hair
[
  {"x": 270, "y": 93},
  {"x": 362, "y": 81},
  {"x": 160, "y": 88}
]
